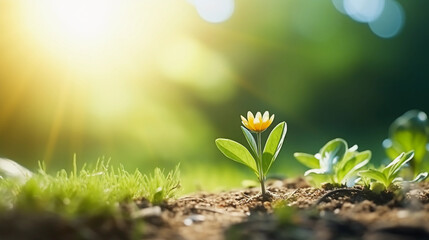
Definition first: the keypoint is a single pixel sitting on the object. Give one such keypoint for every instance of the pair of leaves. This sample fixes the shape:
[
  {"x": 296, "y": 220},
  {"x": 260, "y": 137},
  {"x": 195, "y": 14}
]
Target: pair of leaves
[
  {"x": 392, "y": 170},
  {"x": 332, "y": 153},
  {"x": 348, "y": 168},
  {"x": 323, "y": 162},
  {"x": 378, "y": 176},
  {"x": 237, "y": 152},
  {"x": 335, "y": 161},
  {"x": 389, "y": 174}
]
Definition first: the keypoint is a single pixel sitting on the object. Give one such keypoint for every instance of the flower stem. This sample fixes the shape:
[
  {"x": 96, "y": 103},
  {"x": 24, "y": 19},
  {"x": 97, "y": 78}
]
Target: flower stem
[{"x": 261, "y": 169}]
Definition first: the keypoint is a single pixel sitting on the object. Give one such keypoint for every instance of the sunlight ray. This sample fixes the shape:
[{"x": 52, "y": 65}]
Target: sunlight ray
[
  {"x": 56, "y": 124},
  {"x": 9, "y": 106}
]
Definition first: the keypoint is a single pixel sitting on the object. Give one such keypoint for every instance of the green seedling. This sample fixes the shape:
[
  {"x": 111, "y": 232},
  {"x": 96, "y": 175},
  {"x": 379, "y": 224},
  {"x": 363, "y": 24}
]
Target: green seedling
[
  {"x": 387, "y": 177},
  {"x": 335, "y": 163},
  {"x": 409, "y": 132},
  {"x": 258, "y": 159}
]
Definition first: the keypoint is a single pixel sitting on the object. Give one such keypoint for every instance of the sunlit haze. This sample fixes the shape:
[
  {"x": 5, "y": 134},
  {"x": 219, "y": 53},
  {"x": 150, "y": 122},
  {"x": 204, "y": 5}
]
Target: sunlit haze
[{"x": 153, "y": 83}]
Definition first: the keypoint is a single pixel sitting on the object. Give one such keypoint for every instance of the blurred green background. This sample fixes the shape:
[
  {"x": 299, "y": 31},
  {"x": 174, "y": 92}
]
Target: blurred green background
[{"x": 153, "y": 83}]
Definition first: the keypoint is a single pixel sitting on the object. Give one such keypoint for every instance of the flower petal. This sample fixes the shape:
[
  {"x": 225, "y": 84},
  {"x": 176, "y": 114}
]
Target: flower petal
[
  {"x": 271, "y": 120},
  {"x": 266, "y": 116},
  {"x": 257, "y": 124},
  {"x": 250, "y": 116},
  {"x": 265, "y": 125},
  {"x": 244, "y": 121},
  {"x": 259, "y": 116},
  {"x": 268, "y": 123},
  {"x": 250, "y": 120}
]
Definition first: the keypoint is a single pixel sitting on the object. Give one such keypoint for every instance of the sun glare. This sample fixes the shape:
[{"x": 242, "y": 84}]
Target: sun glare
[
  {"x": 73, "y": 33},
  {"x": 100, "y": 53},
  {"x": 79, "y": 20},
  {"x": 82, "y": 19}
]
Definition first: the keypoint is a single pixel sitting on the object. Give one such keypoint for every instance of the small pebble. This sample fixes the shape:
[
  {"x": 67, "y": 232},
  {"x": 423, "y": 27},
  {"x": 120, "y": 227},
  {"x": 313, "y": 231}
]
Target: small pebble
[
  {"x": 415, "y": 192},
  {"x": 195, "y": 218},
  {"x": 348, "y": 205},
  {"x": 148, "y": 212},
  {"x": 403, "y": 213}
]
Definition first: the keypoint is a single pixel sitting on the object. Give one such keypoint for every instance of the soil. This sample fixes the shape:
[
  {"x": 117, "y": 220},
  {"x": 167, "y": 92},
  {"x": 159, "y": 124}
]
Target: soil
[
  {"x": 331, "y": 213},
  {"x": 301, "y": 212}
]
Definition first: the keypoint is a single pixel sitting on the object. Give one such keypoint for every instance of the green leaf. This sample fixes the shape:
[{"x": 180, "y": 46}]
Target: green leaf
[
  {"x": 404, "y": 160},
  {"x": 388, "y": 169},
  {"x": 316, "y": 179},
  {"x": 409, "y": 132},
  {"x": 307, "y": 159},
  {"x": 332, "y": 153},
  {"x": 351, "y": 152},
  {"x": 358, "y": 161},
  {"x": 340, "y": 166},
  {"x": 406, "y": 140},
  {"x": 273, "y": 145},
  {"x": 376, "y": 175},
  {"x": 393, "y": 168},
  {"x": 352, "y": 173},
  {"x": 422, "y": 176},
  {"x": 158, "y": 196},
  {"x": 377, "y": 187},
  {"x": 315, "y": 171},
  {"x": 237, "y": 152},
  {"x": 251, "y": 140}
]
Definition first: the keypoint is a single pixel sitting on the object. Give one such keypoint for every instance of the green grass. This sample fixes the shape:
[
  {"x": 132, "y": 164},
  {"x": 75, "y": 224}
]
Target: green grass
[{"x": 88, "y": 191}]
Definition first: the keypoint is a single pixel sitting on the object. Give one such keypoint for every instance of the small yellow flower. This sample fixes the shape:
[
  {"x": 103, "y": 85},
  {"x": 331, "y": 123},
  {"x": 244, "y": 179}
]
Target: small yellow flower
[{"x": 257, "y": 123}]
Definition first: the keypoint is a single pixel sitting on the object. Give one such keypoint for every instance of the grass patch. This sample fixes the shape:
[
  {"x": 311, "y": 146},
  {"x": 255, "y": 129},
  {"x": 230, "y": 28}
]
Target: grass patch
[{"x": 87, "y": 191}]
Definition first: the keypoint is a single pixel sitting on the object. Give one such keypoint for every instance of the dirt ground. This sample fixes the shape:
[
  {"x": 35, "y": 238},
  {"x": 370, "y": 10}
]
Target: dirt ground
[
  {"x": 351, "y": 213},
  {"x": 301, "y": 212}
]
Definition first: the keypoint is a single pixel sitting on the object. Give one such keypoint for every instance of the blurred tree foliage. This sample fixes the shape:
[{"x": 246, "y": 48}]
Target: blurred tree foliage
[{"x": 324, "y": 74}]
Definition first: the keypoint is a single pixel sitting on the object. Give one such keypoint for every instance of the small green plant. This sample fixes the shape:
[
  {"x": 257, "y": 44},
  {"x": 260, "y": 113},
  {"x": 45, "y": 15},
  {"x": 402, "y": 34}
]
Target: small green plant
[
  {"x": 409, "y": 132},
  {"x": 387, "y": 178},
  {"x": 335, "y": 163},
  {"x": 158, "y": 187},
  {"x": 258, "y": 160}
]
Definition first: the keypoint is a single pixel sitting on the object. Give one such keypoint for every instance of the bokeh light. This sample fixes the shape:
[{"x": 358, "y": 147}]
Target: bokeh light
[
  {"x": 364, "y": 10},
  {"x": 339, "y": 5},
  {"x": 390, "y": 22},
  {"x": 385, "y": 18},
  {"x": 215, "y": 11}
]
